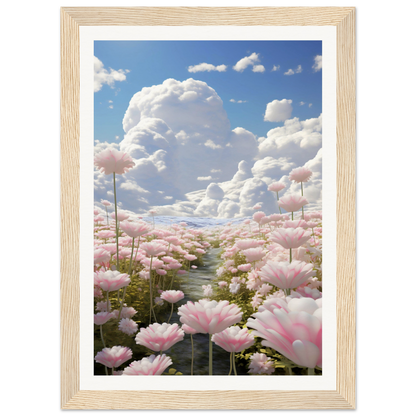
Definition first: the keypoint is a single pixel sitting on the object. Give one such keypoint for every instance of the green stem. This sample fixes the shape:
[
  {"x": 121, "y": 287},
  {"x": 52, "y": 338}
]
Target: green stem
[
  {"x": 290, "y": 255},
  {"x": 173, "y": 277},
  {"x": 115, "y": 207},
  {"x": 231, "y": 363},
  {"x": 171, "y": 312},
  {"x": 108, "y": 303},
  {"x": 210, "y": 355},
  {"x": 311, "y": 371},
  {"x": 301, "y": 187},
  {"x": 292, "y": 216},
  {"x": 102, "y": 335},
  {"x": 235, "y": 370},
  {"x": 192, "y": 356},
  {"x": 290, "y": 371},
  {"x": 151, "y": 294},
  {"x": 106, "y": 371}
]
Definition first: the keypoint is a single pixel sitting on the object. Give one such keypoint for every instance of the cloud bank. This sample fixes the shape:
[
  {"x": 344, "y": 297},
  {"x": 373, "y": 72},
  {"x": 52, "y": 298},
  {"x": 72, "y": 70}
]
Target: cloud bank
[{"x": 189, "y": 162}]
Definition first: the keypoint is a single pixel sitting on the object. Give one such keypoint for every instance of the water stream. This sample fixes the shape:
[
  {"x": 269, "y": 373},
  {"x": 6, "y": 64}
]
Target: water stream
[{"x": 181, "y": 352}]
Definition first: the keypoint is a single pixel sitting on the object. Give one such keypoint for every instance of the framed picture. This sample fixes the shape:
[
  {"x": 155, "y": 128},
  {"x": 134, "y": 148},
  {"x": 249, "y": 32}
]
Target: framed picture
[{"x": 209, "y": 149}]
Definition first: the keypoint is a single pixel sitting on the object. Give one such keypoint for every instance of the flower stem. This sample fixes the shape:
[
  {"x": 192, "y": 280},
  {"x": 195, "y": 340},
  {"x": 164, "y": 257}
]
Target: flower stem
[
  {"x": 210, "y": 355},
  {"x": 311, "y": 371},
  {"x": 108, "y": 303},
  {"x": 106, "y": 210},
  {"x": 115, "y": 207},
  {"x": 171, "y": 312},
  {"x": 301, "y": 187},
  {"x": 290, "y": 255},
  {"x": 151, "y": 294},
  {"x": 235, "y": 370},
  {"x": 231, "y": 363},
  {"x": 192, "y": 356},
  {"x": 292, "y": 216},
  {"x": 102, "y": 336}
]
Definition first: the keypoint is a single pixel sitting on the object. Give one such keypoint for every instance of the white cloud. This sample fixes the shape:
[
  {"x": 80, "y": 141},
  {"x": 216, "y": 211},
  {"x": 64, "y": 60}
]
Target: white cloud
[
  {"x": 258, "y": 68},
  {"x": 278, "y": 110},
  {"x": 238, "y": 102},
  {"x": 180, "y": 139},
  {"x": 103, "y": 76},
  {"x": 289, "y": 72},
  {"x": 317, "y": 66},
  {"x": 204, "y": 67},
  {"x": 243, "y": 63},
  {"x": 310, "y": 105},
  {"x": 298, "y": 70},
  {"x": 301, "y": 103},
  {"x": 232, "y": 100},
  {"x": 111, "y": 106},
  {"x": 275, "y": 68}
]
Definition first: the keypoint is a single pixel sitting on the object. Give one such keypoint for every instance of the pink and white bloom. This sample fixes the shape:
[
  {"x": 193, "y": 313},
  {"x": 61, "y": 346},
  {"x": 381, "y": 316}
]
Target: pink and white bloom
[
  {"x": 135, "y": 229},
  {"x": 148, "y": 366},
  {"x": 113, "y": 357},
  {"x": 302, "y": 174},
  {"x": 260, "y": 364},
  {"x": 153, "y": 249},
  {"x": 105, "y": 202},
  {"x": 121, "y": 215},
  {"x": 111, "y": 280},
  {"x": 160, "y": 337},
  {"x": 128, "y": 326},
  {"x": 244, "y": 267},
  {"x": 101, "y": 255},
  {"x": 297, "y": 334},
  {"x": 290, "y": 237},
  {"x": 254, "y": 254},
  {"x": 234, "y": 339},
  {"x": 234, "y": 288},
  {"x": 276, "y": 186},
  {"x": 285, "y": 275},
  {"x": 102, "y": 317},
  {"x": 257, "y": 216},
  {"x": 207, "y": 291},
  {"x": 293, "y": 202},
  {"x": 112, "y": 160},
  {"x": 188, "y": 330},
  {"x": 210, "y": 317},
  {"x": 172, "y": 296}
]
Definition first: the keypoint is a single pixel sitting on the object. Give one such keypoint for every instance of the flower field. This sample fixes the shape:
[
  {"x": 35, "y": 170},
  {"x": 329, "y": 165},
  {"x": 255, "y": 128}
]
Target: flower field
[{"x": 261, "y": 309}]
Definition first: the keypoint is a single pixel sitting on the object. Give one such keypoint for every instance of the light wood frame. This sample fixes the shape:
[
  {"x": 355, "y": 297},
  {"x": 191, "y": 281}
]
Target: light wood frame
[{"x": 71, "y": 19}]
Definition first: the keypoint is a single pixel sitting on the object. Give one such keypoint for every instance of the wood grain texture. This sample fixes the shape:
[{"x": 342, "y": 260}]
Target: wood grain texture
[
  {"x": 346, "y": 208},
  {"x": 208, "y": 16},
  {"x": 70, "y": 294},
  {"x": 74, "y": 398}
]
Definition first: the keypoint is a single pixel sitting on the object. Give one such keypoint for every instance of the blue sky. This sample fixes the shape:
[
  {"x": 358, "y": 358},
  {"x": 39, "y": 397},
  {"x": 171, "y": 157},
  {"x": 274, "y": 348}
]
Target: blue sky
[
  {"x": 174, "y": 107},
  {"x": 152, "y": 62}
]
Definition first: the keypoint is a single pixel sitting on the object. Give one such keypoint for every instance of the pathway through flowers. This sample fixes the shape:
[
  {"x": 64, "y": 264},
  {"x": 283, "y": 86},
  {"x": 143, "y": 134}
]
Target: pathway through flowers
[{"x": 249, "y": 294}]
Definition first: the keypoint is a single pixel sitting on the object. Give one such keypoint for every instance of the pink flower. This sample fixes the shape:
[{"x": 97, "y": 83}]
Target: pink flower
[
  {"x": 207, "y": 291},
  {"x": 102, "y": 317},
  {"x": 113, "y": 357},
  {"x": 113, "y": 161},
  {"x": 153, "y": 249},
  {"x": 101, "y": 256},
  {"x": 160, "y": 337},
  {"x": 244, "y": 267},
  {"x": 134, "y": 229},
  {"x": 258, "y": 216},
  {"x": 148, "y": 366},
  {"x": 245, "y": 244},
  {"x": 276, "y": 187},
  {"x": 172, "y": 296},
  {"x": 234, "y": 339},
  {"x": 234, "y": 288},
  {"x": 296, "y": 335},
  {"x": 125, "y": 312},
  {"x": 254, "y": 254},
  {"x": 209, "y": 316},
  {"x": 222, "y": 284},
  {"x": 302, "y": 174},
  {"x": 105, "y": 202},
  {"x": 112, "y": 280},
  {"x": 292, "y": 203},
  {"x": 295, "y": 224},
  {"x": 190, "y": 257},
  {"x": 121, "y": 215},
  {"x": 106, "y": 234},
  {"x": 290, "y": 237},
  {"x": 285, "y": 275},
  {"x": 260, "y": 364},
  {"x": 128, "y": 326},
  {"x": 188, "y": 330}
]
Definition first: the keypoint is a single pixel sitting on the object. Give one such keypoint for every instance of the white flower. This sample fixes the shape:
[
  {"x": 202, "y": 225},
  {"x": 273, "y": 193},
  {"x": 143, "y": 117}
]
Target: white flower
[{"x": 234, "y": 288}]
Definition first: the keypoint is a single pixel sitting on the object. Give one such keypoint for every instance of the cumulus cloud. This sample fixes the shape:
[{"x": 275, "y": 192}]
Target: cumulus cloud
[
  {"x": 258, "y": 68},
  {"x": 289, "y": 72},
  {"x": 317, "y": 66},
  {"x": 180, "y": 139},
  {"x": 275, "y": 68},
  {"x": 243, "y": 63},
  {"x": 237, "y": 101},
  {"x": 278, "y": 110},
  {"x": 298, "y": 70},
  {"x": 104, "y": 76},
  {"x": 204, "y": 67}
]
